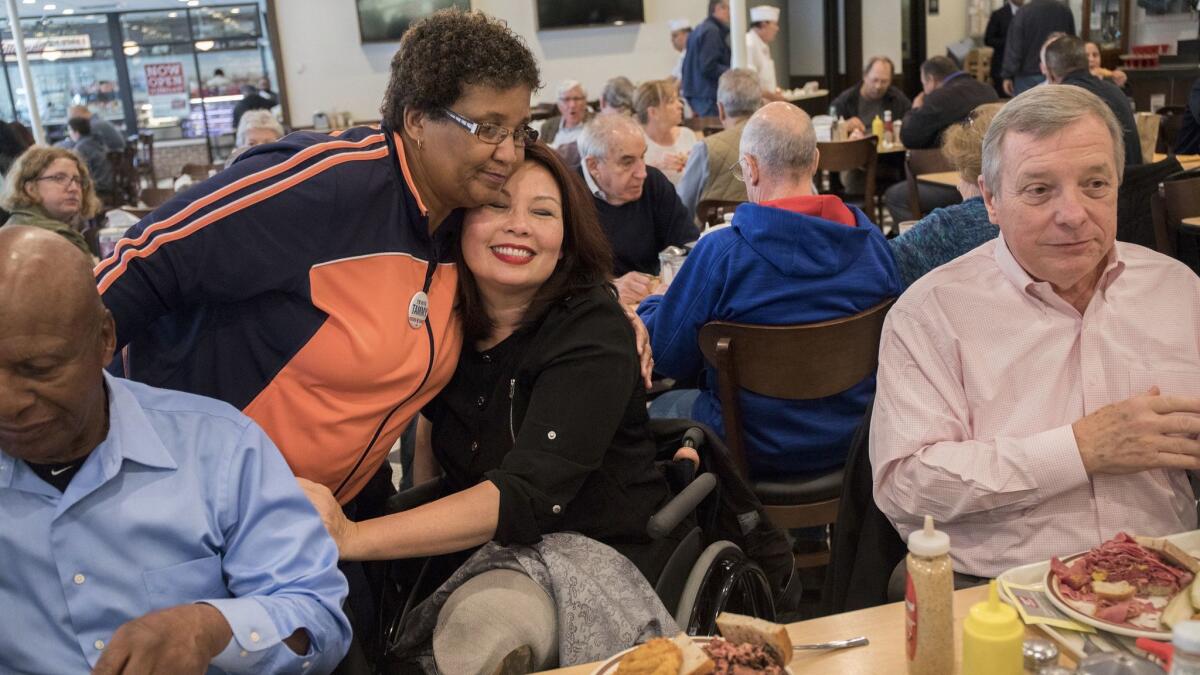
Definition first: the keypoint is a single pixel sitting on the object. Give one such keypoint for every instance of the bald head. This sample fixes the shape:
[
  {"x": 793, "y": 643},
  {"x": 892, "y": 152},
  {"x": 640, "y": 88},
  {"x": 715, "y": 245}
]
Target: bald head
[
  {"x": 54, "y": 341},
  {"x": 780, "y": 137}
]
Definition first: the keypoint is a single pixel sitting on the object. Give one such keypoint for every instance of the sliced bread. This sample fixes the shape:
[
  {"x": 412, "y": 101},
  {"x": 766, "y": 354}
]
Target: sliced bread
[{"x": 772, "y": 637}]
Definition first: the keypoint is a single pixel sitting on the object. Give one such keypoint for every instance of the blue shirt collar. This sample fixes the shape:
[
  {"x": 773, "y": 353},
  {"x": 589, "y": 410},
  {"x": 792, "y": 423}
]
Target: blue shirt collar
[{"x": 130, "y": 437}]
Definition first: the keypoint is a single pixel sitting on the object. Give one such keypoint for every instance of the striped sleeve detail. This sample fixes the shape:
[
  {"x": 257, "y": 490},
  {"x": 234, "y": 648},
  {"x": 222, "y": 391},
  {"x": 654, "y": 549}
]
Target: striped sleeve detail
[{"x": 261, "y": 185}]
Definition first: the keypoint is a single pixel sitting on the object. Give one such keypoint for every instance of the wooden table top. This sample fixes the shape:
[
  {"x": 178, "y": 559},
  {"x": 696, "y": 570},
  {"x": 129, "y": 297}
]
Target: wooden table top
[
  {"x": 1192, "y": 222},
  {"x": 1188, "y": 161},
  {"x": 883, "y": 626},
  {"x": 949, "y": 178}
]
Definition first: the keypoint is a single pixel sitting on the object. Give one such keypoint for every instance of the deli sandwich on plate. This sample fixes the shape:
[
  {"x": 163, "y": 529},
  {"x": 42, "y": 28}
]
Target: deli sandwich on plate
[
  {"x": 1145, "y": 583},
  {"x": 747, "y": 646}
]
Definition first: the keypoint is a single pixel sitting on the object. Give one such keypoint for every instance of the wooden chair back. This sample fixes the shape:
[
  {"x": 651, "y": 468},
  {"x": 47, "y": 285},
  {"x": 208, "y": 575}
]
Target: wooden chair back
[
  {"x": 199, "y": 172},
  {"x": 1174, "y": 201},
  {"x": 125, "y": 177},
  {"x": 701, "y": 123},
  {"x": 155, "y": 197},
  {"x": 800, "y": 362},
  {"x": 919, "y": 162},
  {"x": 711, "y": 212},
  {"x": 862, "y": 154},
  {"x": 1168, "y": 130},
  {"x": 978, "y": 64},
  {"x": 145, "y": 156}
]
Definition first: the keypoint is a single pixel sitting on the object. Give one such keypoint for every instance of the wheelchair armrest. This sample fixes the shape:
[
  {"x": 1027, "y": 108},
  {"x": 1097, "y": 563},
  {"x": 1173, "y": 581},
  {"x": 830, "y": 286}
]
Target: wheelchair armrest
[
  {"x": 417, "y": 495},
  {"x": 668, "y": 517}
]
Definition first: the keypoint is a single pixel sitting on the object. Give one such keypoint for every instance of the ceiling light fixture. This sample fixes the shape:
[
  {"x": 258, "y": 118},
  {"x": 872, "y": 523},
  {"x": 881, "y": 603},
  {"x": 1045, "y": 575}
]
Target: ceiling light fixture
[
  {"x": 49, "y": 8},
  {"x": 68, "y": 11},
  {"x": 205, "y": 45}
]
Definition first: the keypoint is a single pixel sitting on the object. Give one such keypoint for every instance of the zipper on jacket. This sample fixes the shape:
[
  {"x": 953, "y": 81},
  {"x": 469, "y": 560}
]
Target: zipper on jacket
[{"x": 512, "y": 390}]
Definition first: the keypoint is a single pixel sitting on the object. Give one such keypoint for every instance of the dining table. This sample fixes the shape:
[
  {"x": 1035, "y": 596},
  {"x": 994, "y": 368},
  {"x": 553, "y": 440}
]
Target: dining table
[
  {"x": 949, "y": 178},
  {"x": 1193, "y": 222},
  {"x": 883, "y": 626},
  {"x": 1187, "y": 161}
]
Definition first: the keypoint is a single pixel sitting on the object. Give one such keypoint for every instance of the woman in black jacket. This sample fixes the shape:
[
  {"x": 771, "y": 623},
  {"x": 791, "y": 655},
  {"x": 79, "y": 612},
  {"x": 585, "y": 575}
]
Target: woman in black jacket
[{"x": 541, "y": 431}]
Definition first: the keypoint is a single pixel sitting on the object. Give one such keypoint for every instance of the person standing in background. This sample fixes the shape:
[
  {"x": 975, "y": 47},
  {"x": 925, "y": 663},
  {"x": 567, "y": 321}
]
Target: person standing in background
[
  {"x": 706, "y": 59},
  {"x": 680, "y": 30},
  {"x": 764, "y": 28},
  {"x": 1023, "y": 46},
  {"x": 996, "y": 36}
]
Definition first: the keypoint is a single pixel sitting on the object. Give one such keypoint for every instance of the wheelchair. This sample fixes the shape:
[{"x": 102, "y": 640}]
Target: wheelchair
[{"x": 712, "y": 514}]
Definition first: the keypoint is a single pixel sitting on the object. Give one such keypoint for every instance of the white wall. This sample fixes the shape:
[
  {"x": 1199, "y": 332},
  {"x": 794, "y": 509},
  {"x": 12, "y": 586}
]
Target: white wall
[
  {"x": 881, "y": 36},
  {"x": 327, "y": 67},
  {"x": 950, "y": 25},
  {"x": 1162, "y": 28}
]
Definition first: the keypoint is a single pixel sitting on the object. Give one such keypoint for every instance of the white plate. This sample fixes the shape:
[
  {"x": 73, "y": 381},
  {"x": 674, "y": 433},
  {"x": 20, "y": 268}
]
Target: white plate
[
  {"x": 609, "y": 667},
  {"x": 1056, "y": 598}
]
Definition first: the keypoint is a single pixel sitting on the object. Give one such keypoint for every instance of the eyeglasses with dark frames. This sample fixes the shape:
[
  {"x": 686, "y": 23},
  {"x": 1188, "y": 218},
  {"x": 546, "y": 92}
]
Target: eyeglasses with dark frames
[
  {"x": 494, "y": 134},
  {"x": 63, "y": 180}
]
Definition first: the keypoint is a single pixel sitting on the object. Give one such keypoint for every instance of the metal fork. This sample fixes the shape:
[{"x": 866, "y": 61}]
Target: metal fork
[{"x": 835, "y": 644}]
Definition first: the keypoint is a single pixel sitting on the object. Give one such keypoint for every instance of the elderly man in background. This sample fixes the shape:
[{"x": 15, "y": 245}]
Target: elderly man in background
[
  {"x": 255, "y": 128},
  {"x": 638, "y": 208},
  {"x": 764, "y": 28},
  {"x": 707, "y": 174},
  {"x": 1065, "y": 61},
  {"x": 680, "y": 30},
  {"x": 617, "y": 96},
  {"x": 1039, "y": 394},
  {"x": 572, "y": 114},
  {"x": 146, "y": 530},
  {"x": 707, "y": 57},
  {"x": 1023, "y": 44},
  {"x": 948, "y": 95},
  {"x": 791, "y": 256},
  {"x": 859, "y": 105},
  {"x": 102, "y": 129}
]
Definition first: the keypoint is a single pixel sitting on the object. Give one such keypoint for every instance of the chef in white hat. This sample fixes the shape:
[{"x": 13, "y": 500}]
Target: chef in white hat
[
  {"x": 680, "y": 29},
  {"x": 764, "y": 26}
]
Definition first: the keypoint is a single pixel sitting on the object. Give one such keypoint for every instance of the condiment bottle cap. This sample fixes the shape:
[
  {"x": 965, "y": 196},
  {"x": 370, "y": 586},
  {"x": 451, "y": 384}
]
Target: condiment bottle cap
[
  {"x": 992, "y": 618},
  {"x": 1186, "y": 636},
  {"x": 928, "y": 542},
  {"x": 1039, "y": 653}
]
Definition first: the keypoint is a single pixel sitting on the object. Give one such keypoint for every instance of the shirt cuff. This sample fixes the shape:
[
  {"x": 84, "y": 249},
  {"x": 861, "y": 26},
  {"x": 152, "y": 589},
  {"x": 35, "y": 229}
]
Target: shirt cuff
[
  {"x": 1053, "y": 459},
  {"x": 254, "y": 638}
]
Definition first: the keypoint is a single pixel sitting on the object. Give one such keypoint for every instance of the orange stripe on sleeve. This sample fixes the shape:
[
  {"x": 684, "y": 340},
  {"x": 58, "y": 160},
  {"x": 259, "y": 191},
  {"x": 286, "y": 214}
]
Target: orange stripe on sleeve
[{"x": 243, "y": 203}]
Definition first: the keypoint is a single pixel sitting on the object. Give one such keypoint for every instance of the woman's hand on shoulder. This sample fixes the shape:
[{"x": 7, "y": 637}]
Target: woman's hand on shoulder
[
  {"x": 339, "y": 526},
  {"x": 642, "y": 337}
]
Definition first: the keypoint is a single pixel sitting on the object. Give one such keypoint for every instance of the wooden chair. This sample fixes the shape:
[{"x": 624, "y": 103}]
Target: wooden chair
[
  {"x": 125, "y": 177},
  {"x": 916, "y": 163},
  {"x": 200, "y": 172},
  {"x": 858, "y": 154},
  {"x": 1168, "y": 130},
  {"x": 1147, "y": 130},
  {"x": 701, "y": 123},
  {"x": 1174, "y": 201},
  {"x": 796, "y": 363},
  {"x": 978, "y": 64},
  {"x": 711, "y": 212},
  {"x": 144, "y": 142},
  {"x": 155, "y": 197}
]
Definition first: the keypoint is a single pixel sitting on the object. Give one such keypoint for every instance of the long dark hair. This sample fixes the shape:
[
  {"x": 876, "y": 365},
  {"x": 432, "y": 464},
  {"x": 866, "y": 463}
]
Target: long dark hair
[{"x": 586, "y": 255}]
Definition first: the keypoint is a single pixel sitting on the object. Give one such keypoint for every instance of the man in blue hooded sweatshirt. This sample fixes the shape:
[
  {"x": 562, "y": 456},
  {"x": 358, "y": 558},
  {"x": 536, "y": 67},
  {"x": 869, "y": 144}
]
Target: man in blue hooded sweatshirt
[{"x": 790, "y": 257}]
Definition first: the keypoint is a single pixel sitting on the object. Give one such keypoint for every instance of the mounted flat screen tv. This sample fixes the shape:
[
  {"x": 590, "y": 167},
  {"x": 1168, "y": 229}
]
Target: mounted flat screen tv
[
  {"x": 577, "y": 13},
  {"x": 386, "y": 20}
]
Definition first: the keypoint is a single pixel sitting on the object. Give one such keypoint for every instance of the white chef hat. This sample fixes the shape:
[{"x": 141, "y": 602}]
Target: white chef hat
[
  {"x": 679, "y": 24},
  {"x": 764, "y": 13}
]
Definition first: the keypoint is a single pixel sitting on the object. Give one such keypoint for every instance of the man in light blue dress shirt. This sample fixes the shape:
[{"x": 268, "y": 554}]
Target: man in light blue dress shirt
[{"x": 145, "y": 530}]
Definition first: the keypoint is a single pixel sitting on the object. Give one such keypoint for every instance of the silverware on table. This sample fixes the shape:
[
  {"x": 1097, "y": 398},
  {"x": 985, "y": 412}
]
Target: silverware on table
[{"x": 835, "y": 644}]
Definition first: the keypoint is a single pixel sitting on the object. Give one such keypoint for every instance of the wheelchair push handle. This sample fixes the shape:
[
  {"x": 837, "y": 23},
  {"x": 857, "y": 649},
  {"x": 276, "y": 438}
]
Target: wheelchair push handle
[
  {"x": 693, "y": 438},
  {"x": 668, "y": 517}
]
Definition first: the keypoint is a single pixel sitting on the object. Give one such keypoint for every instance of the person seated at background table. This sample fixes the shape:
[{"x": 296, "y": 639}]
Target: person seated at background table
[
  {"x": 707, "y": 174},
  {"x": 639, "y": 210},
  {"x": 257, "y": 127},
  {"x": 1116, "y": 75},
  {"x": 660, "y": 112},
  {"x": 872, "y": 96},
  {"x": 1032, "y": 392},
  {"x": 572, "y": 114},
  {"x": 951, "y": 231},
  {"x": 145, "y": 530},
  {"x": 94, "y": 155},
  {"x": 617, "y": 96},
  {"x": 101, "y": 129},
  {"x": 541, "y": 432},
  {"x": 1189, "y": 131},
  {"x": 790, "y": 257},
  {"x": 1065, "y": 61},
  {"x": 947, "y": 96},
  {"x": 50, "y": 188}
]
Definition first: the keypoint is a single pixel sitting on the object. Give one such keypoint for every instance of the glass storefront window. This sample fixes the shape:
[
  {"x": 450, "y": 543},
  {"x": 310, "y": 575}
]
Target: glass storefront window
[{"x": 225, "y": 22}]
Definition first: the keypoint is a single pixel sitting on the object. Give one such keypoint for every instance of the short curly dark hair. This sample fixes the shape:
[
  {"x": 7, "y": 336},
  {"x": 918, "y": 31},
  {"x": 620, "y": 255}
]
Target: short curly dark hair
[{"x": 447, "y": 50}]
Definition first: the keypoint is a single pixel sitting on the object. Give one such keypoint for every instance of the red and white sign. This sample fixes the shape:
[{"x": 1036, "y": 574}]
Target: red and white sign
[{"x": 167, "y": 87}]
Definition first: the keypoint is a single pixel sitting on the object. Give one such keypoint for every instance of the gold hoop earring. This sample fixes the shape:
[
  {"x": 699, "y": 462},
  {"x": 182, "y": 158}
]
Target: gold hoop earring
[{"x": 420, "y": 144}]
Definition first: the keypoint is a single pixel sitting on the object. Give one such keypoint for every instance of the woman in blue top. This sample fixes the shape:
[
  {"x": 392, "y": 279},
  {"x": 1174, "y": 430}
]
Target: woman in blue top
[{"x": 949, "y": 232}]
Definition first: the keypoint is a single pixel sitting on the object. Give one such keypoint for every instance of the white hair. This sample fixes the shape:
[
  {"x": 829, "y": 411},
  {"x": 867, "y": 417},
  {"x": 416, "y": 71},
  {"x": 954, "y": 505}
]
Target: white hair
[
  {"x": 257, "y": 119},
  {"x": 1044, "y": 111},
  {"x": 739, "y": 92},
  {"x": 781, "y": 144},
  {"x": 566, "y": 86},
  {"x": 596, "y": 138}
]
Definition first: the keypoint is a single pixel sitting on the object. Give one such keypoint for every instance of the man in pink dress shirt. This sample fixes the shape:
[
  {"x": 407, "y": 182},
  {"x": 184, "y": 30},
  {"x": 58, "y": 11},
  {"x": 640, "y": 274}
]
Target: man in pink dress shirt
[{"x": 1037, "y": 395}]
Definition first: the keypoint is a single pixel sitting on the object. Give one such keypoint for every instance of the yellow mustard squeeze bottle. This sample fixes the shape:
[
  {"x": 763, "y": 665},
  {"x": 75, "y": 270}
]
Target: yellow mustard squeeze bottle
[
  {"x": 877, "y": 131},
  {"x": 928, "y": 599},
  {"x": 993, "y": 638}
]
